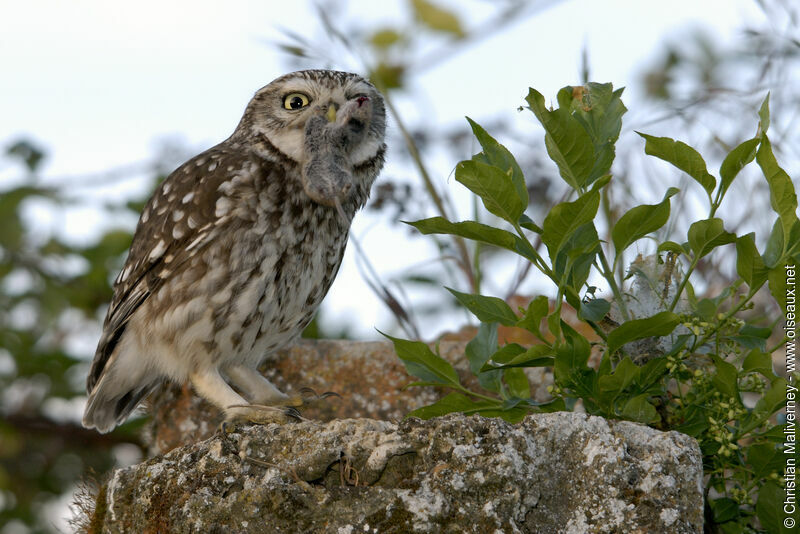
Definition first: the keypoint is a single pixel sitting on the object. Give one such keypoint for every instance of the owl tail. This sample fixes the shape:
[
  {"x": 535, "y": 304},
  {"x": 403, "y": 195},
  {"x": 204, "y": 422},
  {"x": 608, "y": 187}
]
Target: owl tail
[{"x": 105, "y": 412}]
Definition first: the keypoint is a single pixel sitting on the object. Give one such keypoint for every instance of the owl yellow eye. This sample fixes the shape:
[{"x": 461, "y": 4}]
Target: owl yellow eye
[{"x": 295, "y": 101}]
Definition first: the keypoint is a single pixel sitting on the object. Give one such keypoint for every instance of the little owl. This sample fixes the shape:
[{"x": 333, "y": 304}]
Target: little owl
[{"x": 237, "y": 248}]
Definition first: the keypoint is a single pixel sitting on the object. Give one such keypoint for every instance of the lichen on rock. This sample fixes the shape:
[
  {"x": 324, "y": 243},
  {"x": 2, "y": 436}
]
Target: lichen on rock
[{"x": 552, "y": 473}]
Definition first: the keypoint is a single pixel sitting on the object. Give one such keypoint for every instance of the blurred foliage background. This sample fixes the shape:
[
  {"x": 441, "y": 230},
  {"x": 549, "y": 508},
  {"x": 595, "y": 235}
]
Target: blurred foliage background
[{"x": 53, "y": 293}]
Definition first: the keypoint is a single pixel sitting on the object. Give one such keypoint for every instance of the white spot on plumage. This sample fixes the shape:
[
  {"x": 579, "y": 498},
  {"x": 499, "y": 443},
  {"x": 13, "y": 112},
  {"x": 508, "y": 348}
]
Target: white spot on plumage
[
  {"x": 196, "y": 241},
  {"x": 166, "y": 187},
  {"x": 223, "y": 206},
  {"x": 123, "y": 275},
  {"x": 212, "y": 167},
  {"x": 201, "y": 162},
  {"x": 178, "y": 232},
  {"x": 187, "y": 197},
  {"x": 157, "y": 251},
  {"x": 191, "y": 222},
  {"x": 177, "y": 215},
  {"x": 145, "y": 215}
]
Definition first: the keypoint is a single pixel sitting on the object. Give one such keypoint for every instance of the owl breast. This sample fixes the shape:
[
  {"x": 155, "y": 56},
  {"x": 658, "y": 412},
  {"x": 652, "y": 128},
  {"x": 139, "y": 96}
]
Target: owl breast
[
  {"x": 272, "y": 256},
  {"x": 285, "y": 252}
]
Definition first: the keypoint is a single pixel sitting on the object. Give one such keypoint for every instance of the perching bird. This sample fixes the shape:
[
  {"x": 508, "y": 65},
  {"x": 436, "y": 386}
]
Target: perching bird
[{"x": 237, "y": 248}]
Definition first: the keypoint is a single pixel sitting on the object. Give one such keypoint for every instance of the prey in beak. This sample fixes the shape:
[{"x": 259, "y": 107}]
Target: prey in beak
[{"x": 330, "y": 137}]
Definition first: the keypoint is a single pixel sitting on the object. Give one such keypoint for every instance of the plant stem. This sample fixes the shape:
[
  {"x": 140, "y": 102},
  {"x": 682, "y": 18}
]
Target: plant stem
[
  {"x": 683, "y": 283},
  {"x": 478, "y": 395},
  {"x": 426, "y": 178},
  {"x": 538, "y": 261},
  {"x": 609, "y": 276}
]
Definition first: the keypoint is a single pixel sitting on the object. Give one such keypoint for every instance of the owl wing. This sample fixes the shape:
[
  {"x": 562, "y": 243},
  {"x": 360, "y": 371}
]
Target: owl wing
[{"x": 177, "y": 222}]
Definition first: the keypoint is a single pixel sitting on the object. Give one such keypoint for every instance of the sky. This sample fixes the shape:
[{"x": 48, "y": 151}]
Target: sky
[{"x": 103, "y": 84}]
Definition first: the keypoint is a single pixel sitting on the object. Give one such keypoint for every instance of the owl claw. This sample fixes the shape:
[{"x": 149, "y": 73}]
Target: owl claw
[
  {"x": 261, "y": 414},
  {"x": 307, "y": 392}
]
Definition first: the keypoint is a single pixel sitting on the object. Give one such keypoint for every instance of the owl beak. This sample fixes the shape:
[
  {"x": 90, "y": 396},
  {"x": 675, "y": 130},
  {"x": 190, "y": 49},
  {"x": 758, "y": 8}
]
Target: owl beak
[{"x": 331, "y": 113}]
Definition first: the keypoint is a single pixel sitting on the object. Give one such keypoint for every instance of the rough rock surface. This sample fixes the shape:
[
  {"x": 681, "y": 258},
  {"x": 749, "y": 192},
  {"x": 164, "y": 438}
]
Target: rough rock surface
[
  {"x": 368, "y": 375},
  {"x": 552, "y": 473}
]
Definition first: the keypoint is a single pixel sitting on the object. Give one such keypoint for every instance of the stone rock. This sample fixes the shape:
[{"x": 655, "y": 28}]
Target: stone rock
[
  {"x": 552, "y": 473},
  {"x": 368, "y": 375}
]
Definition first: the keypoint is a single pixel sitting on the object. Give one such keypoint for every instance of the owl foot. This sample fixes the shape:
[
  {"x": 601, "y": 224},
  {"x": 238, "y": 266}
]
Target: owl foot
[
  {"x": 307, "y": 397},
  {"x": 260, "y": 414}
]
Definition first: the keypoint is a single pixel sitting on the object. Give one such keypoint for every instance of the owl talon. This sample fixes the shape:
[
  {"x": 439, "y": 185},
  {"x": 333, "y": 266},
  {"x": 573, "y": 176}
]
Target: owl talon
[{"x": 260, "y": 414}]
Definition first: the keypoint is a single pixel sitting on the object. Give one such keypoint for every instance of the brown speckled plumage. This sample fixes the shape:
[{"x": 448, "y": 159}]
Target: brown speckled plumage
[{"x": 232, "y": 257}]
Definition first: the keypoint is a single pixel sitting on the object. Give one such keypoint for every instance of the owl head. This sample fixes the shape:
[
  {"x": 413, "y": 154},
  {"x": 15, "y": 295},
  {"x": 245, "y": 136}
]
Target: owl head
[{"x": 327, "y": 122}]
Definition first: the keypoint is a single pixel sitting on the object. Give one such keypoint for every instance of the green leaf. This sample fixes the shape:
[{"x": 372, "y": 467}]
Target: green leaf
[
  {"x": 574, "y": 261},
  {"x": 759, "y": 362},
  {"x": 469, "y": 229},
  {"x": 695, "y": 423},
  {"x": 535, "y": 356},
  {"x": 707, "y": 309},
  {"x": 496, "y": 154},
  {"x": 708, "y": 234},
  {"x": 763, "y": 114},
  {"x": 507, "y": 352},
  {"x": 765, "y": 459},
  {"x": 773, "y": 252},
  {"x": 527, "y": 223},
  {"x": 652, "y": 372},
  {"x": 450, "y": 403},
  {"x": 773, "y": 400},
  {"x": 735, "y": 161},
  {"x": 421, "y": 362},
  {"x": 538, "y": 308},
  {"x": 594, "y": 310},
  {"x": 385, "y": 38},
  {"x": 769, "y": 508},
  {"x": 726, "y": 379},
  {"x": 671, "y": 246},
  {"x": 776, "y": 280},
  {"x": 625, "y": 373},
  {"x": 387, "y": 76},
  {"x": 494, "y": 187},
  {"x": 749, "y": 264},
  {"x": 478, "y": 351},
  {"x": 571, "y": 357},
  {"x": 640, "y": 221},
  {"x": 681, "y": 156},
  {"x": 598, "y": 109},
  {"x": 752, "y": 337},
  {"x": 565, "y": 218},
  {"x": 567, "y": 142},
  {"x": 660, "y": 324},
  {"x": 487, "y": 309},
  {"x": 437, "y": 18},
  {"x": 518, "y": 384},
  {"x": 640, "y": 410},
  {"x": 782, "y": 196},
  {"x": 724, "y": 509}
]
